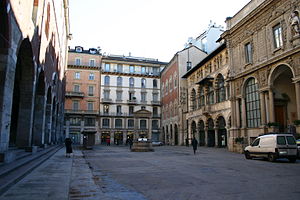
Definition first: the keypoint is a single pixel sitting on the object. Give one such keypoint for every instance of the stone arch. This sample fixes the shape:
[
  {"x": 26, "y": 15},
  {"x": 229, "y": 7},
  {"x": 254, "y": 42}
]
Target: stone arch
[
  {"x": 176, "y": 134},
  {"x": 210, "y": 132},
  {"x": 222, "y": 131},
  {"x": 21, "y": 114},
  {"x": 245, "y": 81},
  {"x": 171, "y": 134},
  {"x": 284, "y": 95},
  {"x": 193, "y": 129},
  {"x": 39, "y": 111},
  {"x": 201, "y": 132}
]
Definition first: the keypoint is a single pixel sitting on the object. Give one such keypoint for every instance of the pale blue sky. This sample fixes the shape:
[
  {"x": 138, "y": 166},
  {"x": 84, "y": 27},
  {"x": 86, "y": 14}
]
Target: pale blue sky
[{"x": 146, "y": 28}]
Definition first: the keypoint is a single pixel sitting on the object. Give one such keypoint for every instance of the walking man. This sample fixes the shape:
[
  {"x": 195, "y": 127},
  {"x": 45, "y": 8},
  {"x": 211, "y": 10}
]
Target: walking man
[{"x": 194, "y": 144}]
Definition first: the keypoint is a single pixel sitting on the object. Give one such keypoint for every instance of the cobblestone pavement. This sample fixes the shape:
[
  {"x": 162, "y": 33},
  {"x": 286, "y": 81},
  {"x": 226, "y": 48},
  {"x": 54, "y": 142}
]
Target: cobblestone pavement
[
  {"x": 174, "y": 173},
  {"x": 169, "y": 173}
]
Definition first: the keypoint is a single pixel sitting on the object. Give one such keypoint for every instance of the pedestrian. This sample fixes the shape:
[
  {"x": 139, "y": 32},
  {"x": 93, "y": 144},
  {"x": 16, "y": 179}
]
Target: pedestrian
[
  {"x": 107, "y": 141},
  {"x": 130, "y": 142},
  {"x": 68, "y": 143},
  {"x": 194, "y": 144}
]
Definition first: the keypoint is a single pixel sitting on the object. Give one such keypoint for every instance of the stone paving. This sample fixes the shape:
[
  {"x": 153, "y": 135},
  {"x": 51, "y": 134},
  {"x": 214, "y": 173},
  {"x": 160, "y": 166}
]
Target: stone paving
[{"x": 169, "y": 173}]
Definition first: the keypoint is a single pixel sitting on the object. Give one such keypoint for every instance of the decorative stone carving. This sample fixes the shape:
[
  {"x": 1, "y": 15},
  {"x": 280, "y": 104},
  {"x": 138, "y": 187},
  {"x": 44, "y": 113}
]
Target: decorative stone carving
[
  {"x": 263, "y": 78},
  {"x": 295, "y": 23}
]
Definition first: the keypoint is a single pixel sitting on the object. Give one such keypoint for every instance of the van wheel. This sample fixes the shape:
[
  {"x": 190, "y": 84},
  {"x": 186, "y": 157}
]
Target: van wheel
[
  {"x": 271, "y": 157},
  {"x": 292, "y": 160},
  {"x": 247, "y": 155}
]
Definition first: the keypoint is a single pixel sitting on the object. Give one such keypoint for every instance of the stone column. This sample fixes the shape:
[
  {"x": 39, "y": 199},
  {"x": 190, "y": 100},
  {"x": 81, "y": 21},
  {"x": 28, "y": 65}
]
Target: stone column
[
  {"x": 271, "y": 105},
  {"x": 267, "y": 108},
  {"x": 297, "y": 88},
  {"x": 244, "y": 117},
  {"x": 237, "y": 121},
  {"x": 216, "y": 137},
  {"x": 262, "y": 108},
  {"x": 206, "y": 136}
]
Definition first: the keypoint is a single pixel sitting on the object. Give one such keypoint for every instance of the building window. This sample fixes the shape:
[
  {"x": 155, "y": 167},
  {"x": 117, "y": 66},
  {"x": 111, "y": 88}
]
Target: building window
[
  {"x": 90, "y": 106},
  {"x": 118, "y": 123},
  {"x": 163, "y": 90},
  {"x": 201, "y": 97},
  {"x": 107, "y": 67},
  {"x": 92, "y": 62},
  {"x": 171, "y": 84},
  {"x": 75, "y": 121},
  {"x": 143, "y": 124},
  {"x": 155, "y": 124},
  {"x": 105, "y": 108},
  {"x": 210, "y": 95},
  {"x": 131, "y": 82},
  {"x": 119, "y": 110},
  {"x": 75, "y": 105},
  {"x": 76, "y": 88},
  {"x": 155, "y": 71},
  {"x": 143, "y": 83},
  {"x": 119, "y": 68},
  {"x": 119, "y": 81},
  {"x": 119, "y": 95},
  {"x": 143, "y": 107},
  {"x": 89, "y": 121},
  {"x": 77, "y": 75},
  {"x": 277, "y": 35},
  {"x": 77, "y": 61},
  {"x": 91, "y": 90},
  {"x": 106, "y": 80},
  {"x": 143, "y": 70},
  {"x": 105, "y": 123},
  {"x": 167, "y": 87},
  {"x": 220, "y": 90},
  {"x": 248, "y": 53},
  {"x": 175, "y": 81},
  {"x": 106, "y": 94},
  {"x": 130, "y": 123},
  {"x": 193, "y": 100},
  {"x": 154, "y": 83},
  {"x": 252, "y": 104},
  {"x": 143, "y": 96},
  {"x": 92, "y": 76},
  {"x": 155, "y": 111},
  {"x": 131, "y": 110},
  {"x": 155, "y": 96},
  {"x": 131, "y": 96},
  {"x": 131, "y": 69}
]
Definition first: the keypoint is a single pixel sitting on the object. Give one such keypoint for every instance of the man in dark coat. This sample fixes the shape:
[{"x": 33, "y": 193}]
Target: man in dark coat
[
  {"x": 194, "y": 144},
  {"x": 68, "y": 143}
]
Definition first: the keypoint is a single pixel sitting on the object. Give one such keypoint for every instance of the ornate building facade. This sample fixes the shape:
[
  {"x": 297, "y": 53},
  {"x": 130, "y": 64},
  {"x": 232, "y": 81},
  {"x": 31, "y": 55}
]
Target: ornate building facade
[
  {"x": 208, "y": 102},
  {"x": 33, "y": 50},
  {"x": 264, "y": 52}
]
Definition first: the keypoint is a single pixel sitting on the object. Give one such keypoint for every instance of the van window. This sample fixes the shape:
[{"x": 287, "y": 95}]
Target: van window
[
  {"x": 256, "y": 142},
  {"x": 291, "y": 140},
  {"x": 281, "y": 140}
]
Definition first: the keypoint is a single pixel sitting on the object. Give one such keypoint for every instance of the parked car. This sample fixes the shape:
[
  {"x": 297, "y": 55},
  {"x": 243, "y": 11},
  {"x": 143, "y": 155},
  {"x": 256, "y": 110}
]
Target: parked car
[
  {"x": 142, "y": 139},
  {"x": 298, "y": 147},
  {"x": 273, "y": 146},
  {"x": 157, "y": 143}
]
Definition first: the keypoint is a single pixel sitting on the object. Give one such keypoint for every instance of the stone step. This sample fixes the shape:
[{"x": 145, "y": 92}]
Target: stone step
[{"x": 13, "y": 172}]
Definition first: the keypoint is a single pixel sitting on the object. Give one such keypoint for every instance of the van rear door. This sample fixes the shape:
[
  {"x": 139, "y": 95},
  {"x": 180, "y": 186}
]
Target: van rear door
[{"x": 292, "y": 146}]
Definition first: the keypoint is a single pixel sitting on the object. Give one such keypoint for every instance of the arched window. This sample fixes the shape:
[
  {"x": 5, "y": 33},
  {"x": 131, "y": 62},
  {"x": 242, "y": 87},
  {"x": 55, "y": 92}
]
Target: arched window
[
  {"x": 131, "y": 82},
  {"x": 106, "y": 80},
  {"x": 252, "y": 103},
  {"x": 143, "y": 83},
  {"x": 193, "y": 99},
  {"x": 210, "y": 95},
  {"x": 119, "y": 81},
  {"x": 220, "y": 90},
  {"x": 201, "y": 97}
]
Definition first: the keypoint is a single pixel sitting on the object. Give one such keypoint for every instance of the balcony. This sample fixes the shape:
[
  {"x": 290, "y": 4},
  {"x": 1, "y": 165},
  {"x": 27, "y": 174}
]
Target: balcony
[
  {"x": 74, "y": 94},
  {"x": 155, "y": 102},
  {"x": 131, "y": 101},
  {"x": 106, "y": 100},
  {"x": 112, "y": 114},
  {"x": 81, "y": 112}
]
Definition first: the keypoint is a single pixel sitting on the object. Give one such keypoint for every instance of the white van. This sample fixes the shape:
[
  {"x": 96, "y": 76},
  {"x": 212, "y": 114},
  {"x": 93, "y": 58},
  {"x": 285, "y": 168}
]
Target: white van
[{"x": 273, "y": 146}]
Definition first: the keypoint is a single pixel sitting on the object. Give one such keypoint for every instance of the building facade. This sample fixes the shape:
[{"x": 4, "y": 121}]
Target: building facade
[
  {"x": 263, "y": 41},
  {"x": 130, "y": 105},
  {"x": 33, "y": 50},
  {"x": 208, "y": 103},
  {"x": 174, "y": 127},
  {"x": 82, "y": 98}
]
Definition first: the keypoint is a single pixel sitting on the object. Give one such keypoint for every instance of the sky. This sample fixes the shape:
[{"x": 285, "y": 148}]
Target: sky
[{"x": 145, "y": 28}]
